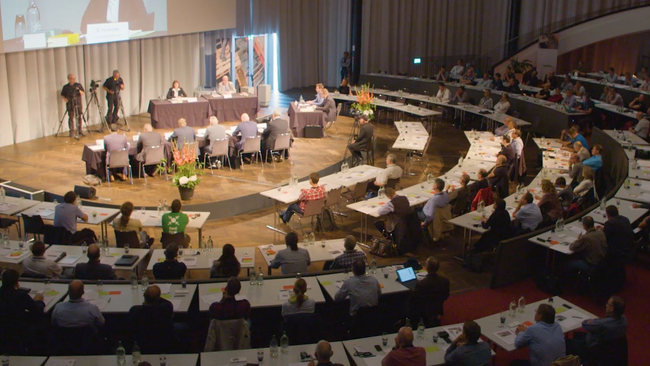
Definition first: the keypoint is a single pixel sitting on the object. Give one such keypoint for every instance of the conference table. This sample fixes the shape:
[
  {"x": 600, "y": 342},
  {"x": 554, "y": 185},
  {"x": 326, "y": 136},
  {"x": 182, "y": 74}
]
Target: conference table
[
  {"x": 11, "y": 206},
  {"x": 75, "y": 254},
  {"x": 26, "y": 361},
  {"x": 230, "y": 107},
  {"x": 273, "y": 293},
  {"x": 291, "y": 358},
  {"x": 320, "y": 251},
  {"x": 639, "y": 191},
  {"x": 165, "y": 113},
  {"x": 626, "y": 138},
  {"x": 52, "y": 293},
  {"x": 15, "y": 254},
  {"x": 119, "y": 298},
  {"x": 111, "y": 360},
  {"x": 596, "y": 87},
  {"x": 96, "y": 215},
  {"x": 150, "y": 218},
  {"x": 301, "y": 116},
  {"x": 331, "y": 283},
  {"x": 642, "y": 170},
  {"x": 203, "y": 259}
]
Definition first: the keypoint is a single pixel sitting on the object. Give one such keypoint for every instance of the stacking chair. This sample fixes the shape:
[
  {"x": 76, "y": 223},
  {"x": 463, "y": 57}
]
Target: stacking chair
[
  {"x": 334, "y": 199},
  {"x": 152, "y": 156},
  {"x": 128, "y": 237},
  {"x": 219, "y": 150},
  {"x": 117, "y": 159},
  {"x": 282, "y": 142},
  {"x": 358, "y": 192},
  {"x": 313, "y": 209},
  {"x": 33, "y": 225},
  {"x": 329, "y": 125},
  {"x": 178, "y": 239},
  {"x": 251, "y": 146},
  {"x": 392, "y": 183},
  {"x": 370, "y": 151}
]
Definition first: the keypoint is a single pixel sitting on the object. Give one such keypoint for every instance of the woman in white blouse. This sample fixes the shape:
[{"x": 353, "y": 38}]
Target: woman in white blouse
[
  {"x": 176, "y": 91},
  {"x": 504, "y": 104},
  {"x": 587, "y": 182}
]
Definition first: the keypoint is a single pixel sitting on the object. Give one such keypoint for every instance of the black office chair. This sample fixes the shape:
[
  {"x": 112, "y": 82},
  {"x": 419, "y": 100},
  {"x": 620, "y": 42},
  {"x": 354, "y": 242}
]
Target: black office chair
[
  {"x": 74, "y": 341},
  {"x": 367, "y": 322},
  {"x": 128, "y": 237},
  {"x": 33, "y": 225},
  {"x": 7, "y": 222},
  {"x": 303, "y": 328},
  {"x": 178, "y": 239},
  {"x": 56, "y": 235}
]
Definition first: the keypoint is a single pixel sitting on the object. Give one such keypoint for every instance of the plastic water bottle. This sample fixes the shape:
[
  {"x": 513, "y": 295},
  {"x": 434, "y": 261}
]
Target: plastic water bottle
[
  {"x": 344, "y": 166},
  {"x": 312, "y": 238},
  {"x": 381, "y": 193},
  {"x": 273, "y": 347},
  {"x": 430, "y": 178},
  {"x": 253, "y": 277},
  {"x": 460, "y": 161},
  {"x": 421, "y": 329},
  {"x": 603, "y": 205},
  {"x": 136, "y": 354},
  {"x": 559, "y": 225},
  {"x": 33, "y": 18},
  {"x": 543, "y": 140},
  {"x": 134, "y": 280},
  {"x": 522, "y": 305},
  {"x": 145, "y": 282},
  {"x": 121, "y": 354},
  {"x": 2, "y": 194},
  {"x": 301, "y": 100},
  {"x": 165, "y": 206},
  {"x": 627, "y": 183},
  {"x": 373, "y": 265},
  {"x": 512, "y": 310},
  {"x": 408, "y": 323},
  {"x": 210, "y": 243},
  {"x": 5, "y": 241},
  {"x": 260, "y": 277},
  {"x": 481, "y": 206},
  {"x": 284, "y": 343}
]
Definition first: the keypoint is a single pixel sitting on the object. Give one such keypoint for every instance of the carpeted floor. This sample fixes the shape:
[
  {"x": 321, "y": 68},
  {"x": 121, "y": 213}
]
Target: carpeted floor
[{"x": 636, "y": 293}]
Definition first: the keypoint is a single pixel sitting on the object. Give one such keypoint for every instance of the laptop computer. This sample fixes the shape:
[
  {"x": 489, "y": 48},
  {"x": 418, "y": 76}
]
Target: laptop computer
[{"x": 406, "y": 274}]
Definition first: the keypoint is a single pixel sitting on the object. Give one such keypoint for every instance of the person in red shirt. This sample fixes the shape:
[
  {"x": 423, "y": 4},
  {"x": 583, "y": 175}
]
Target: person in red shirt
[
  {"x": 557, "y": 96},
  {"x": 404, "y": 353},
  {"x": 315, "y": 192}
]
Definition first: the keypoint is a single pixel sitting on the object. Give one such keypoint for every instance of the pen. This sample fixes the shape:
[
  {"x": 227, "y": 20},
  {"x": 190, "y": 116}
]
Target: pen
[
  {"x": 109, "y": 300},
  {"x": 578, "y": 317}
]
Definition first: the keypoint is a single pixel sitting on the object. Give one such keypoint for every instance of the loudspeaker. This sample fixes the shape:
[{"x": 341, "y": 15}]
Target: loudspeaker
[
  {"x": 85, "y": 192},
  {"x": 313, "y": 131}
]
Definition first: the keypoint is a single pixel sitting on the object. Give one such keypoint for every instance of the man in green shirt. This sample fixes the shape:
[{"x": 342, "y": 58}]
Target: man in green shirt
[{"x": 175, "y": 222}]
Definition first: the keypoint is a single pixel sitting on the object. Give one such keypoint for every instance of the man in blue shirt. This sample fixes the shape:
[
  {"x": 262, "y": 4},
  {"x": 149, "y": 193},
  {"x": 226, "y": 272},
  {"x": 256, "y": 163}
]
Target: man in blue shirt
[
  {"x": 76, "y": 312},
  {"x": 528, "y": 214},
  {"x": 545, "y": 338},
  {"x": 571, "y": 136},
  {"x": 439, "y": 199},
  {"x": 466, "y": 350},
  {"x": 596, "y": 159},
  {"x": 364, "y": 291},
  {"x": 66, "y": 213}
]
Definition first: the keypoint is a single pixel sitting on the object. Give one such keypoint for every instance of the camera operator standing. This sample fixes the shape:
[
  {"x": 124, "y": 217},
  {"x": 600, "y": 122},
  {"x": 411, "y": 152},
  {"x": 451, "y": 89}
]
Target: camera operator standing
[
  {"x": 71, "y": 93},
  {"x": 113, "y": 86}
]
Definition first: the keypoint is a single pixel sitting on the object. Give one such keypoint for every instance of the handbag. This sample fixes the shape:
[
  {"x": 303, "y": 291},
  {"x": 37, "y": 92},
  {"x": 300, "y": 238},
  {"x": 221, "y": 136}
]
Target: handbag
[{"x": 381, "y": 247}]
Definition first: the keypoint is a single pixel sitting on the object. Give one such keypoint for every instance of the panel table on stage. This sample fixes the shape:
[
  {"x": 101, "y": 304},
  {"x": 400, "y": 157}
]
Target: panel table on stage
[
  {"x": 150, "y": 218},
  {"x": 230, "y": 107},
  {"x": 75, "y": 254},
  {"x": 291, "y": 358},
  {"x": 274, "y": 292},
  {"x": 11, "y": 206},
  {"x": 96, "y": 215},
  {"x": 119, "y": 298},
  {"x": 320, "y": 251},
  {"x": 203, "y": 260},
  {"x": 301, "y": 116},
  {"x": 172, "y": 360},
  {"x": 165, "y": 113}
]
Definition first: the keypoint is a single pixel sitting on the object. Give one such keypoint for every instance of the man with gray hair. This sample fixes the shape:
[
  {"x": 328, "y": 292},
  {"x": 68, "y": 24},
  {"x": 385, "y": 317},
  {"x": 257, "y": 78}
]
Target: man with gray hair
[
  {"x": 246, "y": 128},
  {"x": 148, "y": 139},
  {"x": 345, "y": 260},
  {"x": 276, "y": 126},
  {"x": 213, "y": 133},
  {"x": 113, "y": 86},
  {"x": 113, "y": 142},
  {"x": 323, "y": 354},
  {"x": 440, "y": 199},
  {"x": 392, "y": 171}
]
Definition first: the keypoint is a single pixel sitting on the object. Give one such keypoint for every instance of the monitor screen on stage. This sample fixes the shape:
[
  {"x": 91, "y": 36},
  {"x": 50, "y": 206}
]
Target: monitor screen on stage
[{"x": 36, "y": 24}]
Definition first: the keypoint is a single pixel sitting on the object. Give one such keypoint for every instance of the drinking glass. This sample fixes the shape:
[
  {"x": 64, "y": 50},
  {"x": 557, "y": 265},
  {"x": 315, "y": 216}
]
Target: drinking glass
[
  {"x": 385, "y": 272},
  {"x": 384, "y": 339},
  {"x": 163, "y": 360},
  {"x": 126, "y": 247},
  {"x": 46, "y": 284},
  {"x": 322, "y": 243},
  {"x": 435, "y": 337},
  {"x": 260, "y": 356},
  {"x": 502, "y": 319},
  {"x": 180, "y": 252}
]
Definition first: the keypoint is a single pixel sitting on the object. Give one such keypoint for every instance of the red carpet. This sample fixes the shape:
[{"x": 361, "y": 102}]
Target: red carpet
[{"x": 477, "y": 304}]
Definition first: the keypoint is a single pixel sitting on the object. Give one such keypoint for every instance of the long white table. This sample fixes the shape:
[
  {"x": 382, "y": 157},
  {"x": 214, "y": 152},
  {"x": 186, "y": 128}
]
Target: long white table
[
  {"x": 75, "y": 255},
  {"x": 626, "y": 137},
  {"x": 14, "y": 255},
  {"x": 291, "y": 358},
  {"x": 119, "y": 298},
  {"x": 26, "y": 361},
  {"x": 322, "y": 250},
  {"x": 333, "y": 282},
  {"x": 639, "y": 191},
  {"x": 52, "y": 293},
  {"x": 642, "y": 170},
  {"x": 154, "y": 219},
  {"x": 11, "y": 205},
  {"x": 172, "y": 360},
  {"x": 96, "y": 215},
  {"x": 274, "y": 292},
  {"x": 204, "y": 259}
]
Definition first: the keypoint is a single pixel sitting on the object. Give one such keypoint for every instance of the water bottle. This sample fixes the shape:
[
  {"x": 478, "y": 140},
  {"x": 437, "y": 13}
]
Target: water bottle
[
  {"x": 430, "y": 178},
  {"x": 33, "y": 18},
  {"x": 559, "y": 225},
  {"x": 273, "y": 347},
  {"x": 301, "y": 100},
  {"x": 210, "y": 243},
  {"x": 481, "y": 206},
  {"x": 627, "y": 183},
  {"x": 134, "y": 280},
  {"x": 408, "y": 323},
  {"x": 5, "y": 241},
  {"x": 312, "y": 238},
  {"x": 512, "y": 310},
  {"x": 165, "y": 206},
  {"x": 603, "y": 205},
  {"x": 344, "y": 167},
  {"x": 522, "y": 305},
  {"x": 145, "y": 282},
  {"x": 201, "y": 244},
  {"x": 284, "y": 343},
  {"x": 253, "y": 277},
  {"x": 381, "y": 193},
  {"x": 136, "y": 354},
  {"x": 295, "y": 179},
  {"x": 421, "y": 329},
  {"x": 260, "y": 277},
  {"x": 460, "y": 161},
  {"x": 121, "y": 354},
  {"x": 305, "y": 239},
  {"x": 543, "y": 139},
  {"x": 373, "y": 265},
  {"x": 636, "y": 163},
  {"x": 2, "y": 193},
  {"x": 160, "y": 207}
]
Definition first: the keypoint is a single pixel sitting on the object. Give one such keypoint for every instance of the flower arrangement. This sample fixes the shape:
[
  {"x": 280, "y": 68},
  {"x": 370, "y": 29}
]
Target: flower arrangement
[
  {"x": 187, "y": 169},
  {"x": 364, "y": 104}
]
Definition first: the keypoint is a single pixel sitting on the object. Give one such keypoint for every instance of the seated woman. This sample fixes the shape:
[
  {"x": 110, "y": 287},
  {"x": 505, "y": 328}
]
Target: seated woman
[
  {"x": 126, "y": 223},
  {"x": 344, "y": 88},
  {"x": 549, "y": 203},
  {"x": 299, "y": 302},
  {"x": 227, "y": 265},
  {"x": 587, "y": 182},
  {"x": 176, "y": 91}
]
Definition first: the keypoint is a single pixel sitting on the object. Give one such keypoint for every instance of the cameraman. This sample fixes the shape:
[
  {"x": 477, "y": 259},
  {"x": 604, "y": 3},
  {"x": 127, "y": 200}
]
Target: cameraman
[
  {"x": 113, "y": 86},
  {"x": 71, "y": 93}
]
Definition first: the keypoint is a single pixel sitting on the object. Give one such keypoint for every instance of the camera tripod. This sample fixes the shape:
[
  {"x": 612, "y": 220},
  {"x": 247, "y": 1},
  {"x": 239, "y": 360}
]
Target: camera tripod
[
  {"x": 121, "y": 109},
  {"x": 353, "y": 134},
  {"x": 78, "y": 117},
  {"x": 94, "y": 100}
]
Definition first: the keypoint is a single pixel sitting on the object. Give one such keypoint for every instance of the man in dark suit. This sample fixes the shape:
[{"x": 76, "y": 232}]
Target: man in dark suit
[
  {"x": 114, "y": 142},
  {"x": 429, "y": 295},
  {"x": 459, "y": 197},
  {"x": 152, "y": 322},
  {"x": 184, "y": 134},
  {"x": 94, "y": 269},
  {"x": 171, "y": 268},
  {"x": 113, "y": 86},
  {"x": 619, "y": 233},
  {"x": 499, "y": 179},
  {"x": 508, "y": 151},
  {"x": 328, "y": 107},
  {"x": 111, "y": 11},
  {"x": 246, "y": 128},
  {"x": 148, "y": 139},
  {"x": 397, "y": 210},
  {"x": 275, "y": 127},
  {"x": 363, "y": 139}
]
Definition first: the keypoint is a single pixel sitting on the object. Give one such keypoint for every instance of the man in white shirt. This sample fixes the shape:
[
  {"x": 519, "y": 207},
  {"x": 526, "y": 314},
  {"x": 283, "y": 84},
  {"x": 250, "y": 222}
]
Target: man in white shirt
[
  {"x": 642, "y": 126},
  {"x": 225, "y": 86},
  {"x": 38, "y": 265},
  {"x": 486, "y": 101},
  {"x": 443, "y": 93},
  {"x": 457, "y": 71},
  {"x": 392, "y": 171},
  {"x": 517, "y": 143},
  {"x": 503, "y": 105},
  {"x": 611, "y": 76}
]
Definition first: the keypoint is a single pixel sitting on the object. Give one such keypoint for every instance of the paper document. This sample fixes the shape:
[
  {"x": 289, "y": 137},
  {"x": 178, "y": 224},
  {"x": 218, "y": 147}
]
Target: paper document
[
  {"x": 71, "y": 259},
  {"x": 45, "y": 213},
  {"x": 165, "y": 288},
  {"x": 506, "y": 335},
  {"x": 60, "y": 362},
  {"x": 189, "y": 261}
]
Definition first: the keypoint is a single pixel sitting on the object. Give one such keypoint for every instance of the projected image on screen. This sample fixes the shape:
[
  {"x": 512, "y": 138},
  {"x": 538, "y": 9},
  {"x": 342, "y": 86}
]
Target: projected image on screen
[{"x": 34, "y": 24}]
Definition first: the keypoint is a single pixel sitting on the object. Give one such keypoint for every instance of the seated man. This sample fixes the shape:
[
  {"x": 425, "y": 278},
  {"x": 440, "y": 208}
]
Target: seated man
[
  {"x": 94, "y": 269},
  {"x": 571, "y": 136},
  {"x": 619, "y": 233},
  {"x": 171, "y": 268},
  {"x": 277, "y": 126},
  {"x": 19, "y": 313},
  {"x": 323, "y": 354},
  {"x": 508, "y": 151},
  {"x": 67, "y": 213},
  {"x": 76, "y": 312},
  {"x": 229, "y": 308},
  {"x": 596, "y": 159},
  {"x": 577, "y": 148},
  {"x": 556, "y": 96},
  {"x": 566, "y": 84},
  {"x": 564, "y": 192},
  {"x": 460, "y": 194},
  {"x": 443, "y": 95},
  {"x": 527, "y": 213},
  {"x": 507, "y": 128},
  {"x": 148, "y": 139},
  {"x": 392, "y": 171},
  {"x": 498, "y": 177},
  {"x": 245, "y": 129},
  {"x": 214, "y": 133},
  {"x": 152, "y": 322},
  {"x": 614, "y": 98},
  {"x": 612, "y": 327},
  {"x": 466, "y": 350},
  {"x": 292, "y": 259},
  {"x": 486, "y": 102},
  {"x": 429, "y": 295},
  {"x": 486, "y": 83},
  {"x": 318, "y": 101},
  {"x": 315, "y": 192},
  {"x": 570, "y": 100},
  {"x": 588, "y": 250},
  {"x": 328, "y": 107},
  {"x": 458, "y": 69},
  {"x": 397, "y": 210},
  {"x": 114, "y": 142},
  {"x": 440, "y": 199},
  {"x": 176, "y": 221},
  {"x": 642, "y": 127},
  {"x": 639, "y": 104},
  {"x": 545, "y": 93},
  {"x": 363, "y": 139},
  {"x": 503, "y": 105},
  {"x": 404, "y": 353},
  {"x": 468, "y": 77},
  {"x": 38, "y": 265},
  {"x": 545, "y": 338},
  {"x": 460, "y": 96},
  {"x": 184, "y": 134},
  {"x": 364, "y": 291},
  {"x": 225, "y": 86},
  {"x": 611, "y": 76},
  {"x": 345, "y": 260},
  {"x": 443, "y": 74}
]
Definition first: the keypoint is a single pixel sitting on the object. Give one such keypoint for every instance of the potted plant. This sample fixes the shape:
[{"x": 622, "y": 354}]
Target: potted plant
[
  {"x": 519, "y": 67},
  {"x": 186, "y": 170},
  {"x": 364, "y": 104}
]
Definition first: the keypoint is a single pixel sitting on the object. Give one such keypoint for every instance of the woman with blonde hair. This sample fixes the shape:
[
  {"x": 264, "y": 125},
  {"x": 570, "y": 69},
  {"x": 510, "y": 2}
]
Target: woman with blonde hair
[
  {"x": 550, "y": 204},
  {"x": 126, "y": 223},
  {"x": 299, "y": 302},
  {"x": 587, "y": 182}
]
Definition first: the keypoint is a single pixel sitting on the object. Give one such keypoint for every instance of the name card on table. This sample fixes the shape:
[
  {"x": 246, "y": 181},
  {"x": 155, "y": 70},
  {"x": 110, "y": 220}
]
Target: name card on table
[{"x": 107, "y": 32}]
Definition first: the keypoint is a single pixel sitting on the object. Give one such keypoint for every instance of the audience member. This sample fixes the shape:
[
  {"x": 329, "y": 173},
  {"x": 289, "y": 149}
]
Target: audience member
[
  {"x": 517, "y": 143},
  {"x": 578, "y": 89},
  {"x": 397, "y": 211},
  {"x": 545, "y": 93},
  {"x": 565, "y": 192},
  {"x": 345, "y": 260},
  {"x": 227, "y": 265},
  {"x": 429, "y": 295},
  {"x": 126, "y": 223},
  {"x": 152, "y": 323},
  {"x": 468, "y": 77},
  {"x": 440, "y": 198},
  {"x": 503, "y": 105},
  {"x": 642, "y": 127},
  {"x": 76, "y": 312},
  {"x": 460, "y": 96},
  {"x": 246, "y": 128},
  {"x": 458, "y": 69},
  {"x": 443, "y": 74},
  {"x": 508, "y": 151},
  {"x": 443, "y": 95},
  {"x": 498, "y": 177},
  {"x": 176, "y": 221},
  {"x": 323, "y": 354},
  {"x": 596, "y": 159},
  {"x": 404, "y": 353},
  {"x": 38, "y": 265},
  {"x": 586, "y": 183},
  {"x": 614, "y": 98},
  {"x": 545, "y": 338},
  {"x": 292, "y": 259},
  {"x": 527, "y": 213},
  {"x": 588, "y": 250},
  {"x": 315, "y": 192},
  {"x": 611, "y": 76},
  {"x": 639, "y": 104},
  {"x": 115, "y": 142},
  {"x": 612, "y": 327},
  {"x": 363, "y": 290},
  {"x": 466, "y": 350},
  {"x": 556, "y": 95},
  {"x": 229, "y": 308},
  {"x": 571, "y": 136},
  {"x": 549, "y": 204},
  {"x": 575, "y": 169},
  {"x": 486, "y": 102},
  {"x": 630, "y": 80},
  {"x": 184, "y": 134},
  {"x": 94, "y": 269},
  {"x": 497, "y": 83},
  {"x": 170, "y": 268},
  {"x": 19, "y": 313},
  {"x": 549, "y": 80},
  {"x": 486, "y": 83},
  {"x": 499, "y": 225},
  {"x": 582, "y": 151},
  {"x": 569, "y": 100},
  {"x": 459, "y": 195},
  {"x": 645, "y": 86},
  {"x": 362, "y": 140},
  {"x": 580, "y": 70},
  {"x": 299, "y": 302},
  {"x": 67, "y": 213},
  {"x": 507, "y": 128},
  {"x": 566, "y": 84},
  {"x": 392, "y": 171},
  {"x": 619, "y": 233}
]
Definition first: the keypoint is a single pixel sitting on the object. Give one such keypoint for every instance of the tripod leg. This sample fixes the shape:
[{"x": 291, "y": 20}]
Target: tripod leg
[
  {"x": 61, "y": 123},
  {"x": 126, "y": 122}
]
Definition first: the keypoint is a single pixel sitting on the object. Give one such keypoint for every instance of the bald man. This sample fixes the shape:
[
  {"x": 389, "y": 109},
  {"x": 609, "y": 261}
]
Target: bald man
[
  {"x": 225, "y": 86},
  {"x": 246, "y": 129},
  {"x": 71, "y": 94},
  {"x": 323, "y": 353},
  {"x": 76, "y": 312},
  {"x": 404, "y": 353},
  {"x": 94, "y": 269}
]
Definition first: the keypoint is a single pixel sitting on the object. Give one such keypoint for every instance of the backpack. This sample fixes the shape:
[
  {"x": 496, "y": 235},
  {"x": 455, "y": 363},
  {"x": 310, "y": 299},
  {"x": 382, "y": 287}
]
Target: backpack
[
  {"x": 92, "y": 180},
  {"x": 327, "y": 220}
]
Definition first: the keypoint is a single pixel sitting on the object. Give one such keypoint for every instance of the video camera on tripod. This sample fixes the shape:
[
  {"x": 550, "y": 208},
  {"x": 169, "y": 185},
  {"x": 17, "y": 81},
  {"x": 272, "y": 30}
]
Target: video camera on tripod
[{"x": 94, "y": 85}]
